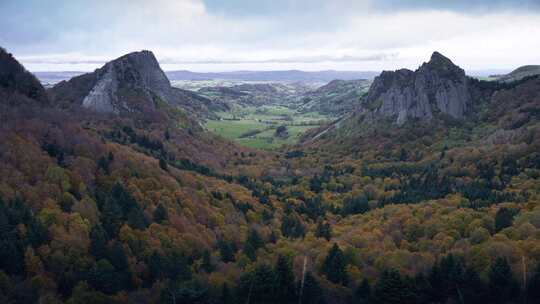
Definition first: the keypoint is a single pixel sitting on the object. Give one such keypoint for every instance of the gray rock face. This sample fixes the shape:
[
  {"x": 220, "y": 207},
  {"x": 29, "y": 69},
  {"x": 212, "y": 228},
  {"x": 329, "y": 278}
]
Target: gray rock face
[
  {"x": 127, "y": 83},
  {"x": 438, "y": 86}
]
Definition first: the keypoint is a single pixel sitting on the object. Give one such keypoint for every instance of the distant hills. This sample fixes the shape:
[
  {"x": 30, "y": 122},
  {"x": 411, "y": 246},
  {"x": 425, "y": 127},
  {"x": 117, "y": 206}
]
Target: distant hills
[
  {"x": 274, "y": 76},
  {"x": 51, "y": 78},
  {"x": 519, "y": 73}
]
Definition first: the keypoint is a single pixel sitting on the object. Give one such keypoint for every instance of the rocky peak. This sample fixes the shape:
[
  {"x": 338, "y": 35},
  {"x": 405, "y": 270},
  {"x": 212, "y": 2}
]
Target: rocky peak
[
  {"x": 437, "y": 87},
  {"x": 131, "y": 82}
]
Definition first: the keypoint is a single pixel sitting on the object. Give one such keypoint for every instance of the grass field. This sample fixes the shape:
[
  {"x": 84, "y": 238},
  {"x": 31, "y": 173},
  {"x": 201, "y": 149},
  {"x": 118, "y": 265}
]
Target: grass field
[{"x": 255, "y": 127}]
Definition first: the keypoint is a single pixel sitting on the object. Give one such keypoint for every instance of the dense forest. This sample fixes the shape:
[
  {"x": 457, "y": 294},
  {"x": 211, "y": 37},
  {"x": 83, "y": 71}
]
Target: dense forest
[{"x": 150, "y": 208}]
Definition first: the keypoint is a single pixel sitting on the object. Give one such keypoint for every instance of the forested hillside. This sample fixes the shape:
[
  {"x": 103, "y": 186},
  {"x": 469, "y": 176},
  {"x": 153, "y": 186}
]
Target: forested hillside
[{"x": 144, "y": 206}]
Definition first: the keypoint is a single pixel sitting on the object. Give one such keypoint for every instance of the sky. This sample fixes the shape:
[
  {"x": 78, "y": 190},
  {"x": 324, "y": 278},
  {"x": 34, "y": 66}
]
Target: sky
[{"x": 228, "y": 35}]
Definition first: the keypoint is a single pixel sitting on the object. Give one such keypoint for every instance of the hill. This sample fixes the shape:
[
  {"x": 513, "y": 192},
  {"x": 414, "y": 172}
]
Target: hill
[
  {"x": 335, "y": 98},
  {"x": 519, "y": 73},
  {"x": 146, "y": 207},
  {"x": 16, "y": 82}
]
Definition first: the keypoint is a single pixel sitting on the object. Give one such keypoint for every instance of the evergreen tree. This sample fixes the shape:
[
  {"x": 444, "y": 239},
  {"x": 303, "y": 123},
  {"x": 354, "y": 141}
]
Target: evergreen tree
[
  {"x": 323, "y": 230},
  {"x": 226, "y": 296},
  {"x": 252, "y": 244},
  {"x": 533, "y": 286},
  {"x": 362, "y": 294},
  {"x": 163, "y": 164},
  {"x": 312, "y": 292},
  {"x": 503, "y": 218},
  {"x": 503, "y": 287},
  {"x": 258, "y": 286},
  {"x": 355, "y": 205},
  {"x": 160, "y": 214},
  {"x": 98, "y": 244},
  {"x": 206, "y": 264},
  {"x": 392, "y": 288},
  {"x": 334, "y": 266},
  {"x": 136, "y": 219},
  {"x": 473, "y": 289},
  {"x": 226, "y": 250},
  {"x": 284, "y": 284}
]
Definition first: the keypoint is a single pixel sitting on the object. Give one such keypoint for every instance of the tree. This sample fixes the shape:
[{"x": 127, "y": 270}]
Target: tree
[
  {"x": 104, "y": 278},
  {"x": 503, "y": 218},
  {"x": 253, "y": 243},
  {"x": 355, "y": 205},
  {"x": 323, "y": 230},
  {"x": 363, "y": 293},
  {"x": 206, "y": 264},
  {"x": 163, "y": 164},
  {"x": 226, "y": 296},
  {"x": 98, "y": 242},
  {"x": 533, "y": 287},
  {"x": 226, "y": 250},
  {"x": 284, "y": 281},
  {"x": 334, "y": 266},
  {"x": 258, "y": 286},
  {"x": 312, "y": 292},
  {"x": 160, "y": 214},
  {"x": 392, "y": 288},
  {"x": 291, "y": 226},
  {"x": 503, "y": 287},
  {"x": 136, "y": 219}
]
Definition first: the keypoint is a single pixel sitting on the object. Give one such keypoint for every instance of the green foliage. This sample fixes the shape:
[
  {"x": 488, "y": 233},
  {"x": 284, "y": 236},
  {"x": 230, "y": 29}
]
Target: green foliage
[
  {"x": 323, "y": 230},
  {"x": 393, "y": 288},
  {"x": 502, "y": 284},
  {"x": 334, "y": 266},
  {"x": 503, "y": 218}
]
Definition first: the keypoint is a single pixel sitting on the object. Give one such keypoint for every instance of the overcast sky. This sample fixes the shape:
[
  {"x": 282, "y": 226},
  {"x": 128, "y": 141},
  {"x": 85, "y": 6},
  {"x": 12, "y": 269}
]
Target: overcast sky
[{"x": 225, "y": 35}]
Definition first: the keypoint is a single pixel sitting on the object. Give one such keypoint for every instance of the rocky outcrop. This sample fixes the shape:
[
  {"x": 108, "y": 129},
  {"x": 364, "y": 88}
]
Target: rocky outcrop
[
  {"x": 437, "y": 87},
  {"x": 134, "y": 82}
]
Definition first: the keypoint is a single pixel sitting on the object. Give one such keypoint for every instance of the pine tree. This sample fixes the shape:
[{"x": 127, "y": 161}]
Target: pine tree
[
  {"x": 160, "y": 214},
  {"x": 362, "y": 294},
  {"x": 163, "y": 164},
  {"x": 284, "y": 284},
  {"x": 312, "y": 292},
  {"x": 503, "y": 287},
  {"x": 226, "y": 250},
  {"x": 334, "y": 266},
  {"x": 323, "y": 230},
  {"x": 392, "y": 288},
  {"x": 226, "y": 297},
  {"x": 503, "y": 219},
  {"x": 253, "y": 243},
  {"x": 533, "y": 287},
  {"x": 206, "y": 264},
  {"x": 98, "y": 244}
]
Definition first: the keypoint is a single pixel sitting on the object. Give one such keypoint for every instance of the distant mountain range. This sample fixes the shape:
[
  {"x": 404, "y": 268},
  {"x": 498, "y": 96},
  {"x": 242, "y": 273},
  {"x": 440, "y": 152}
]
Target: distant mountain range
[
  {"x": 274, "y": 76},
  {"x": 51, "y": 78}
]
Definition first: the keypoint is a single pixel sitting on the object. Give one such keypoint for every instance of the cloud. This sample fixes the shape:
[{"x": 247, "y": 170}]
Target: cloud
[{"x": 347, "y": 34}]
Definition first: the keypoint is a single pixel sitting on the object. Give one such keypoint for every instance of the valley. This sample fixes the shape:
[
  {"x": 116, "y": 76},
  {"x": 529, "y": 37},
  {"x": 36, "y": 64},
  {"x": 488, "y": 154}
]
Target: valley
[{"x": 122, "y": 186}]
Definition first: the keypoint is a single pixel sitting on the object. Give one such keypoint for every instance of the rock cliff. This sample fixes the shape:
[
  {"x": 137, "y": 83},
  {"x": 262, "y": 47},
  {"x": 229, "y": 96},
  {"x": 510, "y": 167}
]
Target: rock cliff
[
  {"x": 437, "y": 87},
  {"x": 133, "y": 82}
]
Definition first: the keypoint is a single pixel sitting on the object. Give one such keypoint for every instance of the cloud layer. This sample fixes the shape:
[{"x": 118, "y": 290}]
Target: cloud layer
[{"x": 217, "y": 35}]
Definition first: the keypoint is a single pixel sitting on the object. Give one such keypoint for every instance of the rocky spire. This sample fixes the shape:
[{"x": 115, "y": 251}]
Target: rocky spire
[{"x": 437, "y": 87}]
